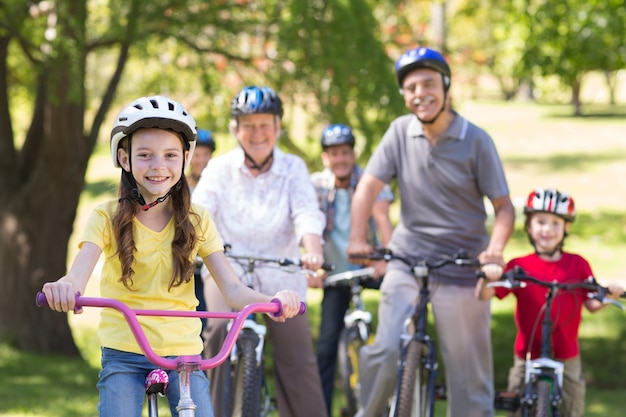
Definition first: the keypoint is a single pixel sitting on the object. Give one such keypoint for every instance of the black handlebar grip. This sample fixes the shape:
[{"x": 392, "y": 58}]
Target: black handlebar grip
[{"x": 328, "y": 267}]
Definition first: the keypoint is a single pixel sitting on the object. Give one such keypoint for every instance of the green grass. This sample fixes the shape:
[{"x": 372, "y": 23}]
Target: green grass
[{"x": 540, "y": 146}]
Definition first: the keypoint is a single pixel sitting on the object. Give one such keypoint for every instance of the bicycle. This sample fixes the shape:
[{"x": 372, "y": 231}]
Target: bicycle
[
  {"x": 357, "y": 332},
  {"x": 246, "y": 392},
  {"x": 184, "y": 364},
  {"x": 543, "y": 377},
  {"x": 416, "y": 391}
]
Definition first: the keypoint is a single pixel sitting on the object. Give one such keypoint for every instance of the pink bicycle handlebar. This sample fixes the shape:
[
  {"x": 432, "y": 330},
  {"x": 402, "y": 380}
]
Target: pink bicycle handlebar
[{"x": 274, "y": 307}]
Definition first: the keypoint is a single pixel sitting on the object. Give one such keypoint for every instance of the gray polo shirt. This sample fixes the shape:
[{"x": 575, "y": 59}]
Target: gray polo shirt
[{"x": 442, "y": 189}]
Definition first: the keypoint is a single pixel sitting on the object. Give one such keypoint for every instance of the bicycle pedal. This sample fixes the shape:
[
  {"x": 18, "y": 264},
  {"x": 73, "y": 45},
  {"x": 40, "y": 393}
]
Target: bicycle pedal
[
  {"x": 506, "y": 401},
  {"x": 440, "y": 392}
]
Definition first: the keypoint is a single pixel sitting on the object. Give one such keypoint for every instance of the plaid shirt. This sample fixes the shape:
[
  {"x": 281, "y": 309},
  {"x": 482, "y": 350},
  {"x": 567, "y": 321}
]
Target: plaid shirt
[{"x": 324, "y": 183}]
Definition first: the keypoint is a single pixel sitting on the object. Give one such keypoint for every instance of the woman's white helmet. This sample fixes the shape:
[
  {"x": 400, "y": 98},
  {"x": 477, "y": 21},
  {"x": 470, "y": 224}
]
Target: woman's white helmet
[{"x": 153, "y": 112}]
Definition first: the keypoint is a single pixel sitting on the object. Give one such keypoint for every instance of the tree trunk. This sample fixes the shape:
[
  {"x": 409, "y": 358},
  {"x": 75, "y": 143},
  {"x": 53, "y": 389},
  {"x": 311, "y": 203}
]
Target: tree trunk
[
  {"x": 40, "y": 192},
  {"x": 576, "y": 98},
  {"x": 438, "y": 24},
  {"x": 611, "y": 83}
]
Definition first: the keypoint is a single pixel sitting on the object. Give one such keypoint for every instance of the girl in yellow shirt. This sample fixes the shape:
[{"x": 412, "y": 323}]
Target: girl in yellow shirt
[{"x": 150, "y": 238}]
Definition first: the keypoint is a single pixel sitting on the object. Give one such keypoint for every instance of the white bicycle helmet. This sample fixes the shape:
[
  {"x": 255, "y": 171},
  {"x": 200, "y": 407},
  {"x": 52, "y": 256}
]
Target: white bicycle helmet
[
  {"x": 158, "y": 112},
  {"x": 550, "y": 200}
]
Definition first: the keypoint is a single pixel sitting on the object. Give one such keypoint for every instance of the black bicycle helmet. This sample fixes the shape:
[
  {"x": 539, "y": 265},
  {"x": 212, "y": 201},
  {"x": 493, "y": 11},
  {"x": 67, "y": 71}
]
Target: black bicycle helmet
[
  {"x": 337, "y": 134},
  {"x": 205, "y": 138},
  {"x": 422, "y": 58},
  {"x": 256, "y": 100}
]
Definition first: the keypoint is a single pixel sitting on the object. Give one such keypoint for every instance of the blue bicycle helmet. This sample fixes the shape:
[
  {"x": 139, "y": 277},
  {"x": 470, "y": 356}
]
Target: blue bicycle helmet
[
  {"x": 256, "y": 100},
  {"x": 337, "y": 134},
  {"x": 422, "y": 58},
  {"x": 205, "y": 138}
]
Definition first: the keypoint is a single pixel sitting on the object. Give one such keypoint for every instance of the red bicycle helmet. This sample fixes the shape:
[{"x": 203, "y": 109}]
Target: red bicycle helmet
[{"x": 550, "y": 200}]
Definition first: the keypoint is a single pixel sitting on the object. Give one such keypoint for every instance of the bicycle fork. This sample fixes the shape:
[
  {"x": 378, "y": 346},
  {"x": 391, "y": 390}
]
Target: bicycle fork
[
  {"x": 545, "y": 369},
  {"x": 428, "y": 360},
  {"x": 186, "y": 407}
]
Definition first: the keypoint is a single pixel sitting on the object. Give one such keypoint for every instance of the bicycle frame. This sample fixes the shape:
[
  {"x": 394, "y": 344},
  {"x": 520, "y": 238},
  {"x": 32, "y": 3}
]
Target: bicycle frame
[
  {"x": 356, "y": 332},
  {"x": 415, "y": 329},
  {"x": 184, "y": 364},
  {"x": 544, "y": 368},
  {"x": 256, "y": 379},
  {"x": 255, "y": 399},
  {"x": 357, "y": 314},
  {"x": 418, "y": 356}
]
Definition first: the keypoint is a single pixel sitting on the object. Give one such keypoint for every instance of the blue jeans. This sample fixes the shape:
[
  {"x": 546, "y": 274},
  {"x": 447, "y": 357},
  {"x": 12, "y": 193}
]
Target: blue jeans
[
  {"x": 199, "y": 289},
  {"x": 122, "y": 386}
]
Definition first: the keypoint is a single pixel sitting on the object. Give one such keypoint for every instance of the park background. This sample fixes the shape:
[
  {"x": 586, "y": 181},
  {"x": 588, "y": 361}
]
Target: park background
[{"x": 553, "y": 98}]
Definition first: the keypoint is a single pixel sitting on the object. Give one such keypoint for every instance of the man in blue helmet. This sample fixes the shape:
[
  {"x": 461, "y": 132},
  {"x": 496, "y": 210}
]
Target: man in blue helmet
[
  {"x": 335, "y": 186},
  {"x": 445, "y": 167}
]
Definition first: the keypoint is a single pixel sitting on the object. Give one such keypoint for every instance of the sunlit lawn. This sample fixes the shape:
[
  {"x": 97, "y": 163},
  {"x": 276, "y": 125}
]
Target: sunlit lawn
[{"x": 540, "y": 146}]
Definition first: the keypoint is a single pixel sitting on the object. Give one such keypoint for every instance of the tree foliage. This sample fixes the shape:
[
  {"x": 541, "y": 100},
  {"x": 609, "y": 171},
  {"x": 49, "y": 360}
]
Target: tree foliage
[
  {"x": 64, "y": 63},
  {"x": 541, "y": 38}
]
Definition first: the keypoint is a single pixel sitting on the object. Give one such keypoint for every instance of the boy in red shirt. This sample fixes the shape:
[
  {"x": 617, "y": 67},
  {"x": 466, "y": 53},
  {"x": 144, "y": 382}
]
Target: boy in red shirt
[{"x": 549, "y": 215}]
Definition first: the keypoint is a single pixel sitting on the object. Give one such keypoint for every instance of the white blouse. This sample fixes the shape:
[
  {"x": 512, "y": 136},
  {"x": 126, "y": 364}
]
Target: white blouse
[{"x": 265, "y": 215}]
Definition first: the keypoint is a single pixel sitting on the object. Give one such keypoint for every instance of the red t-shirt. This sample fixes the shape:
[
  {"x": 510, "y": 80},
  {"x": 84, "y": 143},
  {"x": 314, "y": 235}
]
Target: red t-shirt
[{"x": 566, "y": 307}]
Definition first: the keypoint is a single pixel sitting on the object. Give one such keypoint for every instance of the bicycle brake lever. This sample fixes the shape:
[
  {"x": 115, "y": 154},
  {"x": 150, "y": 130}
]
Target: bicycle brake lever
[
  {"x": 605, "y": 300},
  {"x": 506, "y": 284}
]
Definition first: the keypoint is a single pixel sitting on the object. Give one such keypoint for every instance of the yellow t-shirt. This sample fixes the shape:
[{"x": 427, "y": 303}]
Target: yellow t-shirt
[{"x": 153, "y": 270}]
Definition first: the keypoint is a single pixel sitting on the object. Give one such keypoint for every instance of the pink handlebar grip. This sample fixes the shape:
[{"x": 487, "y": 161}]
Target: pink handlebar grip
[{"x": 279, "y": 313}]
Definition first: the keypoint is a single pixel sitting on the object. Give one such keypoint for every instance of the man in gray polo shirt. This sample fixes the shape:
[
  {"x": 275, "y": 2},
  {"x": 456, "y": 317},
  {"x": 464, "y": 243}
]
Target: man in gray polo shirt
[{"x": 445, "y": 166}]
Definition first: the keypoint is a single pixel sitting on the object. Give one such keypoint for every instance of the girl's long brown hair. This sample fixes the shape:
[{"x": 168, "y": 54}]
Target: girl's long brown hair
[{"x": 185, "y": 236}]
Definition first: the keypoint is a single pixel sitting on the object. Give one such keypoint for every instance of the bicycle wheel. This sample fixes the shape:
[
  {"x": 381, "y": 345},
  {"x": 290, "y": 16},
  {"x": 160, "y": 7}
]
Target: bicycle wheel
[
  {"x": 416, "y": 391},
  {"x": 350, "y": 342},
  {"x": 244, "y": 379},
  {"x": 544, "y": 402}
]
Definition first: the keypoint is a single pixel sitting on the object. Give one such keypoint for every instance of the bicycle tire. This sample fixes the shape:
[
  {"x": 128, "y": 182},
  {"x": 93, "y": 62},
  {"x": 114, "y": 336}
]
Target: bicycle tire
[
  {"x": 544, "y": 400},
  {"x": 243, "y": 382},
  {"x": 350, "y": 342},
  {"x": 416, "y": 391}
]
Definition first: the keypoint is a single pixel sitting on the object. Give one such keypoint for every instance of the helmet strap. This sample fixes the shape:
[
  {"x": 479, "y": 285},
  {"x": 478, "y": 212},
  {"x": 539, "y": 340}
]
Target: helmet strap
[
  {"x": 443, "y": 108},
  {"x": 129, "y": 182},
  {"x": 262, "y": 165}
]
